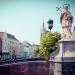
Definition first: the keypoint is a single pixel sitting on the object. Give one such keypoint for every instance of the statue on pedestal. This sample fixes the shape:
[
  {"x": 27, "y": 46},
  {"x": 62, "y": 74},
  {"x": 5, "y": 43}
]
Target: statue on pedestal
[{"x": 66, "y": 20}]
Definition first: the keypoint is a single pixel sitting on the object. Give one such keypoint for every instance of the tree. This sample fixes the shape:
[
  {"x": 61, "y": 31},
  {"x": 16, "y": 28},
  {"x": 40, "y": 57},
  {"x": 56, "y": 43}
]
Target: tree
[{"x": 48, "y": 43}]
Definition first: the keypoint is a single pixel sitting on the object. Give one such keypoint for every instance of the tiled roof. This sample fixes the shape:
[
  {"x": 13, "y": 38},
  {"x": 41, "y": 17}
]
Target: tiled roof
[
  {"x": 11, "y": 36},
  {"x": 25, "y": 43},
  {"x": 8, "y": 35}
]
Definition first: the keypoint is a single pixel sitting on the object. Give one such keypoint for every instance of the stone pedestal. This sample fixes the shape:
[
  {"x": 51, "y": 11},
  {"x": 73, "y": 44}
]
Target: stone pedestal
[{"x": 65, "y": 60}]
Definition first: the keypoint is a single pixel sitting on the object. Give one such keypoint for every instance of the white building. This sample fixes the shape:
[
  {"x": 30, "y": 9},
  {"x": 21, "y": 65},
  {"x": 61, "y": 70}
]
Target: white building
[
  {"x": 10, "y": 45},
  {"x": 29, "y": 50},
  {"x": 35, "y": 48}
]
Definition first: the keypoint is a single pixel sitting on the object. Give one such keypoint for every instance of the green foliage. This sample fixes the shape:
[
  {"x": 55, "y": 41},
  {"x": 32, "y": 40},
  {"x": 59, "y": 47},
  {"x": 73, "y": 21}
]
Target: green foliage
[
  {"x": 48, "y": 43},
  {"x": 37, "y": 50}
]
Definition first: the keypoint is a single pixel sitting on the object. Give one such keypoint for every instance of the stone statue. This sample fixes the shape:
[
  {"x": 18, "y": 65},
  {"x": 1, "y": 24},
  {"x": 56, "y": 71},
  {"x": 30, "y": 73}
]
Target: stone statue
[{"x": 66, "y": 20}]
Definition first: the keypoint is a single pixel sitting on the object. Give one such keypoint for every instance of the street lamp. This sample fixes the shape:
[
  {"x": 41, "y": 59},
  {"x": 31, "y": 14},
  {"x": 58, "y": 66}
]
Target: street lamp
[{"x": 50, "y": 24}]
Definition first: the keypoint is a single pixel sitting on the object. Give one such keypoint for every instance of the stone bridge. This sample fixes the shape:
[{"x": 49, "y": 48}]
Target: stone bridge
[{"x": 25, "y": 68}]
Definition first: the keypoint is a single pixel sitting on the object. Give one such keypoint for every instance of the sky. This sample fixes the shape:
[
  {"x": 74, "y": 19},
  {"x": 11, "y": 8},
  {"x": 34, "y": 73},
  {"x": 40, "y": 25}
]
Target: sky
[{"x": 24, "y": 18}]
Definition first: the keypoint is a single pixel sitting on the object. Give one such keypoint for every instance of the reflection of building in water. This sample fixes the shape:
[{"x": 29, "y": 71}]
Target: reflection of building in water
[{"x": 8, "y": 44}]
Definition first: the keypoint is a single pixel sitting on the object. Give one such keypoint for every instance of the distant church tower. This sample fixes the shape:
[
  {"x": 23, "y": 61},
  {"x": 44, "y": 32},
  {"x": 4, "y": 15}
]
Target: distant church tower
[{"x": 43, "y": 29}]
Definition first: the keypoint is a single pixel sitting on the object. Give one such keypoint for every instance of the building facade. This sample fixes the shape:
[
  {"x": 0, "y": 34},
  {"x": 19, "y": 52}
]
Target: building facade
[
  {"x": 10, "y": 47},
  {"x": 29, "y": 50}
]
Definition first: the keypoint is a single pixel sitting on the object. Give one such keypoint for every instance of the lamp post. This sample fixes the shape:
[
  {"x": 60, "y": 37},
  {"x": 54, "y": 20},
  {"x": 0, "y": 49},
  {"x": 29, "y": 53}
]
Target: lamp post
[{"x": 50, "y": 24}]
